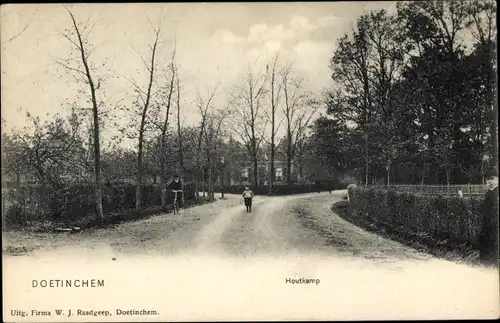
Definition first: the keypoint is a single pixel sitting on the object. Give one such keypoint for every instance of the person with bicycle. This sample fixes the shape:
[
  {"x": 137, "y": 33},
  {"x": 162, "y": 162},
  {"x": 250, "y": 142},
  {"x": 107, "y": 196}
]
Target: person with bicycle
[{"x": 176, "y": 187}]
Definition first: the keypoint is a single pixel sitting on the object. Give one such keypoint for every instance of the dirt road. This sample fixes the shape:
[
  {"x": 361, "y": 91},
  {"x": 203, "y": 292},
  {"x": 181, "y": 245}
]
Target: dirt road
[
  {"x": 300, "y": 224},
  {"x": 241, "y": 262}
]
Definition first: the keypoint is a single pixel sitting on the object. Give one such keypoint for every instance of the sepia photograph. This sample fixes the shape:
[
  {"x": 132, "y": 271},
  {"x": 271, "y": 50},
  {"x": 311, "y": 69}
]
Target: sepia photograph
[{"x": 249, "y": 161}]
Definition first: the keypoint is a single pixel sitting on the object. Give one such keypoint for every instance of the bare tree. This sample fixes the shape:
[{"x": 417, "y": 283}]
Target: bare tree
[
  {"x": 20, "y": 31},
  {"x": 145, "y": 98},
  {"x": 80, "y": 44},
  {"x": 166, "y": 95},
  {"x": 275, "y": 96},
  {"x": 179, "y": 134},
  {"x": 298, "y": 109},
  {"x": 213, "y": 130},
  {"x": 204, "y": 106},
  {"x": 249, "y": 121}
]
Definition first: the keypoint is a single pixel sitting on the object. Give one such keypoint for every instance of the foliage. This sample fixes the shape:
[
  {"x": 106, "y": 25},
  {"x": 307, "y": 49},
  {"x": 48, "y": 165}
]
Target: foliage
[
  {"x": 418, "y": 103},
  {"x": 53, "y": 151},
  {"x": 75, "y": 204},
  {"x": 451, "y": 218},
  {"x": 286, "y": 189}
]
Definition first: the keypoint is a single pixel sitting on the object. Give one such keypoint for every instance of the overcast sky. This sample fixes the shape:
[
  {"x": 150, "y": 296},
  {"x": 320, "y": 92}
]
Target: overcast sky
[{"x": 215, "y": 43}]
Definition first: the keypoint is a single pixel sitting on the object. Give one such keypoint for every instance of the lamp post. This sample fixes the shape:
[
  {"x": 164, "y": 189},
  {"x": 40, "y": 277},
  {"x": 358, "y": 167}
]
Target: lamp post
[{"x": 222, "y": 161}]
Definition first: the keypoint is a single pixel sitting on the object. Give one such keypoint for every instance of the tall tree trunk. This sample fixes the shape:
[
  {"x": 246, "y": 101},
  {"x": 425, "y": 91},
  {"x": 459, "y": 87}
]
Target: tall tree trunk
[
  {"x": 494, "y": 139},
  {"x": 272, "y": 174},
  {"x": 274, "y": 102},
  {"x": 367, "y": 101},
  {"x": 255, "y": 171},
  {"x": 209, "y": 179},
  {"x": 97, "y": 163},
  {"x": 200, "y": 169},
  {"x": 179, "y": 136},
  {"x": 212, "y": 182},
  {"x": 422, "y": 180},
  {"x": 289, "y": 152},
  {"x": 203, "y": 180},
  {"x": 366, "y": 160},
  {"x": 163, "y": 148},
  {"x": 163, "y": 177},
  {"x": 138, "y": 190},
  {"x": 388, "y": 174},
  {"x": 289, "y": 156},
  {"x": 197, "y": 180},
  {"x": 255, "y": 160},
  {"x": 301, "y": 167},
  {"x": 288, "y": 169},
  {"x": 140, "y": 168},
  {"x": 96, "y": 132}
]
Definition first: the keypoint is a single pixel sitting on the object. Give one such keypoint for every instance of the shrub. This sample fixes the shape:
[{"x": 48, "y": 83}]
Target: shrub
[
  {"x": 75, "y": 203},
  {"x": 285, "y": 189},
  {"x": 443, "y": 218}
]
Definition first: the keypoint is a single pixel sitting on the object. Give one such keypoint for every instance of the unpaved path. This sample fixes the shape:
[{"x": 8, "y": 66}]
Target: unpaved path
[
  {"x": 218, "y": 262},
  {"x": 299, "y": 224}
]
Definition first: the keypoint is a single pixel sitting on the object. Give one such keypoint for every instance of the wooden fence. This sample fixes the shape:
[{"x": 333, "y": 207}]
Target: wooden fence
[{"x": 468, "y": 190}]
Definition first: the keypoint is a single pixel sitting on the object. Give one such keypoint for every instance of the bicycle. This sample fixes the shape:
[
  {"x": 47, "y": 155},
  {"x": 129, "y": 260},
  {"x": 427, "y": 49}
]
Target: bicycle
[{"x": 176, "y": 201}]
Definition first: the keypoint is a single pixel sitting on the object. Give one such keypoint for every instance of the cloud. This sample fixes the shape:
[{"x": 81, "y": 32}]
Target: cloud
[
  {"x": 312, "y": 59},
  {"x": 272, "y": 46},
  {"x": 312, "y": 49},
  {"x": 301, "y": 24},
  {"x": 298, "y": 28},
  {"x": 294, "y": 39},
  {"x": 328, "y": 21},
  {"x": 225, "y": 36},
  {"x": 204, "y": 55},
  {"x": 263, "y": 32}
]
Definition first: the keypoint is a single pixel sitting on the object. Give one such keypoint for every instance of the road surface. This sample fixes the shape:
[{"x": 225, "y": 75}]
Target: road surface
[{"x": 217, "y": 261}]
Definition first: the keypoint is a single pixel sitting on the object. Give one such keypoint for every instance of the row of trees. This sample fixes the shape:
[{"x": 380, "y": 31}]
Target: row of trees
[
  {"x": 411, "y": 103},
  {"x": 414, "y": 96},
  {"x": 268, "y": 108},
  {"x": 268, "y": 103}
]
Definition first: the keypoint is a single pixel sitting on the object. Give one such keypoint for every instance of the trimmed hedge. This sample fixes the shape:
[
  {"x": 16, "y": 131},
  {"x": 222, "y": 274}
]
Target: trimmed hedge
[
  {"x": 76, "y": 202},
  {"x": 284, "y": 189},
  {"x": 444, "y": 218}
]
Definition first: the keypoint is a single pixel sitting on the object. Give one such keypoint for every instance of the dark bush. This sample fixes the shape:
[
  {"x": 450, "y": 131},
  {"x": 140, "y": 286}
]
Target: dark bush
[
  {"x": 286, "y": 189},
  {"x": 14, "y": 216},
  {"x": 443, "y": 218},
  {"x": 76, "y": 203}
]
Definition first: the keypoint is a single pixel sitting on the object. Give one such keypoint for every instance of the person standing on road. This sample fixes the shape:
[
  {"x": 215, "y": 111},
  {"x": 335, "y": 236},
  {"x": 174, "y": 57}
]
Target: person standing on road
[
  {"x": 247, "y": 197},
  {"x": 489, "y": 249}
]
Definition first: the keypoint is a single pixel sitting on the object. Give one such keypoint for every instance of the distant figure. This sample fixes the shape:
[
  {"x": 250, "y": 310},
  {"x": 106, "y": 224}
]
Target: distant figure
[
  {"x": 350, "y": 187},
  {"x": 247, "y": 197},
  {"x": 460, "y": 194},
  {"x": 489, "y": 249}
]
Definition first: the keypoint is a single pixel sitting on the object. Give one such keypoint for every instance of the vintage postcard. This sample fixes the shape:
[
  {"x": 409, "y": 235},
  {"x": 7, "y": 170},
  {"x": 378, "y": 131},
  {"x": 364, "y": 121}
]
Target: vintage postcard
[{"x": 249, "y": 161}]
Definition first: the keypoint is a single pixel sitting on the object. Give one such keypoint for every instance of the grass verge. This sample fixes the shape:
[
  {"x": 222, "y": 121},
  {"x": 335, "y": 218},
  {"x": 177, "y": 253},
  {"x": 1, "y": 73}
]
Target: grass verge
[{"x": 443, "y": 249}]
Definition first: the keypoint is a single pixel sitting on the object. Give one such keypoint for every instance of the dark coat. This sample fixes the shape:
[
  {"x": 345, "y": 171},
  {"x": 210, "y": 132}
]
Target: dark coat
[{"x": 175, "y": 186}]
